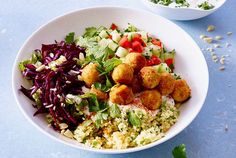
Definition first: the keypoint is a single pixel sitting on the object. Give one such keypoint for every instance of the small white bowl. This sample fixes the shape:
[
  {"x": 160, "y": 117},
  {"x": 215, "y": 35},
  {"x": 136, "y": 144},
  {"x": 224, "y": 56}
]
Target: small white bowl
[
  {"x": 190, "y": 62},
  {"x": 181, "y": 13}
]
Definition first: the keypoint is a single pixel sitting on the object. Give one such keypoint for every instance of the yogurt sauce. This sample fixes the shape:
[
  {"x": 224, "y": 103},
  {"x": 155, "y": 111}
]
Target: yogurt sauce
[{"x": 193, "y": 3}]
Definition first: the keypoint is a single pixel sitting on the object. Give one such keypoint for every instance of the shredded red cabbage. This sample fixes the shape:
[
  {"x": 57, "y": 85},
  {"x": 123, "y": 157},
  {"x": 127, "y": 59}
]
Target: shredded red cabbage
[{"x": 55, "y": 84}]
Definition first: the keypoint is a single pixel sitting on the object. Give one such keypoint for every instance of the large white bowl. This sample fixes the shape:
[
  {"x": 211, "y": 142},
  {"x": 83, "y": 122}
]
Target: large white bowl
[
  {"x": 190, "y": 62},
  {"x": 181, "y": 13}
]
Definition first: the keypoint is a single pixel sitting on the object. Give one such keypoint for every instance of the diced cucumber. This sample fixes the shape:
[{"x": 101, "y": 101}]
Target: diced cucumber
[
  {"x": 163, "y": 67},
  {"x": 104, "y": 42},
  {"x": 103, "y": 34},
  {"x": 143, "y": 35},
  {"x": 169, "y": 55},
  {"x": 114, "y": 32},
  {"x": 112, "y": 45},
  {"x": 130, "y": 36},
  {"x": 116, "y": 37},
  {"x": 156, "y": 50},
  {"x": 121, "y": 52}
]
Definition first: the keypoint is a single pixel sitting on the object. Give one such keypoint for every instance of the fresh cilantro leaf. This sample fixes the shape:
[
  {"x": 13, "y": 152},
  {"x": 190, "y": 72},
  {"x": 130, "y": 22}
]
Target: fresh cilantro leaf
[
  {"x": 108, "y": 83},
  {"x": 99, "y": 117},
  {"x": 179, "y": 151},
  {"x": 90, "y": 32},
  {"x": 114, "y": 111},
  {"x": 70, "y": 38},
  {"x": 92, "y": 101},
  {"x": 182, "y": 2},
  {"x": 134, "y": 119},
  {"x": 110, "y": 64},
  {"x": 206, "y": 6}
]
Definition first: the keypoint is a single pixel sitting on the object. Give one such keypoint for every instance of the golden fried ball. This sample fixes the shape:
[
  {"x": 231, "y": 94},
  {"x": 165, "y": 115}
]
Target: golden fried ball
[
  {"x": 123, "y": 73},
  {"x": 100, "y": 94},
  {"x": 181, "y": 91},
  {"x": 151, "y": 99},
  {"x": 136, "y": 61},
  {"x": 121, "y": 94},
  {"x": 167, "y": 84},
  {"x": 136, "y": 85},
  {"x": 90, "y": 74},
  {"x": 150, "y": 77}
]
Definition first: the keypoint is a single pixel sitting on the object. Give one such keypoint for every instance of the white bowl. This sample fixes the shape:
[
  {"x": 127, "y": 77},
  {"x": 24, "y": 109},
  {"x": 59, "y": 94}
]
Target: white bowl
[
  {"x": 190, "y": 62},
  {"x": 181, "y": 13}
]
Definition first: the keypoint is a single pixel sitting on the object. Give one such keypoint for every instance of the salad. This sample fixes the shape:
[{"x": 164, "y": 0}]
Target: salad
[{"x": 110, "y": 88}]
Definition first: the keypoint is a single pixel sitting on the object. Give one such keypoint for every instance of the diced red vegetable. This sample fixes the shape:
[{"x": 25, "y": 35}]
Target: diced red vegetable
[
  {"x": 170, "y": 62},
  {"x": 156, "y": 42},
  {"x": 113, "y": 26},
  {"x": 137, "y": 47},
  {"x": 124, "y": 42},
  {"x": 138, "y": 37},
  {"x": 155, "y": 60}
]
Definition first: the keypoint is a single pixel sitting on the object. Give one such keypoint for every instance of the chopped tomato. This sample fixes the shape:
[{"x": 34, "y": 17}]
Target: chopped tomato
[
  {"x": 170, "y": 62},
  {"x": 137, "y": 47},
  {"x": 113, "y": 26},
  {"x": 138, "y": 37},
  {"x": 149, "y": 62},
  {"x": 156, "y": 42},
  {"x": 155, "y": 60},
  {"x": 124, "y": 42}
]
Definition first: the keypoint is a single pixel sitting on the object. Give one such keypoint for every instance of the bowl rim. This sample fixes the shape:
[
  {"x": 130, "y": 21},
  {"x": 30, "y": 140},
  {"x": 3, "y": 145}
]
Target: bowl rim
[
  {"x": 221, "y": 3},
  {"x": 87, "y": 148}
]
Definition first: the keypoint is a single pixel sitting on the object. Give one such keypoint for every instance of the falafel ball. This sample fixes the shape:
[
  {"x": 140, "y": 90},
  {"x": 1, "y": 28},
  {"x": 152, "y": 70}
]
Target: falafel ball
[
  {"x": 136, "y": 61},
  {"x": 151, "y": 99},
  {"x": 167, "y": 84},
  {"x": 181, "y": 91},
  {"x": 150, "y": 77},
  {"x": 90, "y": 74},
  {"x": 123, "y": 73},
  {"x": 100, "y": 94},
  {"x": 136, "y": 85},
  {"x": 121, "y": 94}
]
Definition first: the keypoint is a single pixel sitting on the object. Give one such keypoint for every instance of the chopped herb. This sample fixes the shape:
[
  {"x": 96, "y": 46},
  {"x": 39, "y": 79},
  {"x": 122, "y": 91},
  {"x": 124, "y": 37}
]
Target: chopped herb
[
  {"x": 99, "y": 117},
  {"x": 134, "y": 119},
  {"x": 90, "y": 32},
  {"x": 205, "y": 6},
  {"x": 163, "y": 2},
  {"x": 179, "y": 151},
  {"x": 131, "y": 28},
  {"x": 182, "y": 2},
  {"x": 70, "y": 38},
  {"x": 114, "y": 111}
]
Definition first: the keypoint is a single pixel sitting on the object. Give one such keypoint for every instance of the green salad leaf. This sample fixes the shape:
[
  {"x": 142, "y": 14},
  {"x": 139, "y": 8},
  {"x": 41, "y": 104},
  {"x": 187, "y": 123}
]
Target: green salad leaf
[
  {"x": 134, "y": 119},
  {"x": 70, "y": 38},
  {"x": 179, "y": 151},
  {"x": 36, "y": 56}
]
